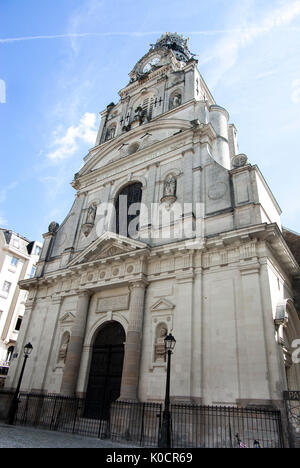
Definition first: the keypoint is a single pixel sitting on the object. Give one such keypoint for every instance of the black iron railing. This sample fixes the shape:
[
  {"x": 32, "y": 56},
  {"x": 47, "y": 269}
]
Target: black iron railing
[
  {"x": 139, "y": 423},
  {"x": 225, "y": 427}
]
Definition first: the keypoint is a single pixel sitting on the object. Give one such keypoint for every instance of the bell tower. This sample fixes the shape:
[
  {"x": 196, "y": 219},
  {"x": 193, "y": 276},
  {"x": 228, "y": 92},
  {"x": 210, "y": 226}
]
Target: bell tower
[{"x": 163, "y": 79}]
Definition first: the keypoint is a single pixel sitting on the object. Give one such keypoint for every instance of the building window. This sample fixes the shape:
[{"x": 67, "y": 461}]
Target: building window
[
  {"x": 37, "y": 250},
  {"x": 32, "y": 273},
  {"x": 9, "y": 354},
  {"x": 6, "y": 286},
  {"x": 16, "y": 243},
  {"x": 18, "y": 324},
  {"x": 14, "y": 261}
]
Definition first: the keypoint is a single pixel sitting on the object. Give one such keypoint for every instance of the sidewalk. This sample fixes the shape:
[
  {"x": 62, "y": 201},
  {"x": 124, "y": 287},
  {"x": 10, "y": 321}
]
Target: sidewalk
[{"x": 28, "y": 437}]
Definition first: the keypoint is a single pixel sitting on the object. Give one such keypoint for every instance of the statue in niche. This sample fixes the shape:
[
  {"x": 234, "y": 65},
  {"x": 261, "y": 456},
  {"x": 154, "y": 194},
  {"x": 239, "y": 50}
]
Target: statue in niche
[
  {"x": 91, "y": 214},
  {"x": 175, "y": 101},
  {"x": 90, "y": 219},
  {"x": 170, "y": 186},
  {"x": 63, "y": 350},
  {"x": 110, "y": 133},
  {"x": 160, "y": 347}
]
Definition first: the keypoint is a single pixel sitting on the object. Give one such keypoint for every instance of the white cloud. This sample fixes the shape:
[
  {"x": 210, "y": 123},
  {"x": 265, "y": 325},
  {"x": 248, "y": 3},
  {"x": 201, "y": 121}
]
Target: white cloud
[
  {"x": 7, "y": 40},
  {"x": 65, "y": 145}
]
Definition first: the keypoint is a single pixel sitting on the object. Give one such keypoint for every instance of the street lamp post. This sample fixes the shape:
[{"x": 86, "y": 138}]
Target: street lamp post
[
  {"x": 14, "y": 403},
  {"x": 165, "y": 435}
]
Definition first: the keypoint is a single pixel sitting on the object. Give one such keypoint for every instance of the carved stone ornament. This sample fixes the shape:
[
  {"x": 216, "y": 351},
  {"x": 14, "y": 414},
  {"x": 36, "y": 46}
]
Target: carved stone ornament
[
  {"x": 53, "y": 227},
  {"x": 217, "y": 191},
  {"x": 86, "y": 228},
  {"x": 239, "y": 160}
]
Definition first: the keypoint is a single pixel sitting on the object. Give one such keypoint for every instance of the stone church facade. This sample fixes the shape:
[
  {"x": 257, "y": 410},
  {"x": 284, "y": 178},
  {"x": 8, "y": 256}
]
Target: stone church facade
[{"x": 172, "y": 230}]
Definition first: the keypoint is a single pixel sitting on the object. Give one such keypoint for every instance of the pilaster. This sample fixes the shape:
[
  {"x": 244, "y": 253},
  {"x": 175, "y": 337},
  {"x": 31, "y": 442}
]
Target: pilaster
[
  {"x": 182, "y": 359},
  {"x": 71, "y": 370}
]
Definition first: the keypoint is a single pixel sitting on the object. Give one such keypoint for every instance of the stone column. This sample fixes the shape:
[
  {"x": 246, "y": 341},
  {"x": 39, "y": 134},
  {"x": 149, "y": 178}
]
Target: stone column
[
  {"x": 71, "y": 370},
  {"x": 131, "y": 366}
]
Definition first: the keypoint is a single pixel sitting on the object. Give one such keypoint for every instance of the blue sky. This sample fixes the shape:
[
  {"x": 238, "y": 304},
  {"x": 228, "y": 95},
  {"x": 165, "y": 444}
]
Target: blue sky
[{"x": 63, "y": 61}]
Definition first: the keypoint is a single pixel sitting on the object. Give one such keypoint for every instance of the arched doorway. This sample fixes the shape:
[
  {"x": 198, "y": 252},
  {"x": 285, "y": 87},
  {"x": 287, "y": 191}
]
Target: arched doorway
[
  {"x": 128, "y": 210},
  {"x": 105, "y": 371}
]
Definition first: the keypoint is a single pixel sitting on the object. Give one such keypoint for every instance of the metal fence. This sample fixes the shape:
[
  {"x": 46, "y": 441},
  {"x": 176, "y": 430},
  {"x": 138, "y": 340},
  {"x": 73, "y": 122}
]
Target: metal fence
[
  {"x": 225, "y": 427},
  {"x": 139, "y": 423},
  {"x": 292, "y": 404}
]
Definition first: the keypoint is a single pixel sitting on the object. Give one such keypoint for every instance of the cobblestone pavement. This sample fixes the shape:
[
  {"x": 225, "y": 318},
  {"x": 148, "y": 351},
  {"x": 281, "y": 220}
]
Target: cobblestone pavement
[{"x": 28, "y": 437}]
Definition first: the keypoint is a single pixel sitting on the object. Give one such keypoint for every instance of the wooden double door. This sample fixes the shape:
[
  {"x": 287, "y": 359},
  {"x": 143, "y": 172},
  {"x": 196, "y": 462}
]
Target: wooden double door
[{"x": 105, "y": 371}]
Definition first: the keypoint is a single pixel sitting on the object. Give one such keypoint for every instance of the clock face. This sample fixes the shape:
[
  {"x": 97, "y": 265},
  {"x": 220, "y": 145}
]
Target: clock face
[{"x": 154, "y": 61}]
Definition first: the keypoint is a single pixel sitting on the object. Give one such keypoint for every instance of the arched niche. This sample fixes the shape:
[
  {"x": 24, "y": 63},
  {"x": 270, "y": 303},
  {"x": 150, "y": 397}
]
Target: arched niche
[{"x": 175, "y": 99}]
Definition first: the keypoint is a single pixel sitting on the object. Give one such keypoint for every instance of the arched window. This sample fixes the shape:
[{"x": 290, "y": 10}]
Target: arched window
[{"x": 128, "y": 207}]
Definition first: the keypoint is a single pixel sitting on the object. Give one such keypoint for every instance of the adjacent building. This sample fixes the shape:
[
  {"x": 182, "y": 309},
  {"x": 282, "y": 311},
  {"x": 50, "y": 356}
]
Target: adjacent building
[
  {"x": 18, "y": 258},
  {"x": 172, "y": 229}
]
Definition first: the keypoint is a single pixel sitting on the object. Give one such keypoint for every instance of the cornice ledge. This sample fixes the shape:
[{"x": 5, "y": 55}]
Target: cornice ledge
[
  {"x": 280, "y": 249},
  {"x": 238, "y": 235},
  {"x": 27, "y": 283},
  {"x": 207, "y": 130}
]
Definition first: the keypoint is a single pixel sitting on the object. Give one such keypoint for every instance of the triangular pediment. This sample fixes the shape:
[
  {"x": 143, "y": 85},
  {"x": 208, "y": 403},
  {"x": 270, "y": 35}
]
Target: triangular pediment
[
  {"x": 162, "y": 304},
  {"x": 68, "y": 317},
  {"x": 108, "y": 245}
]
